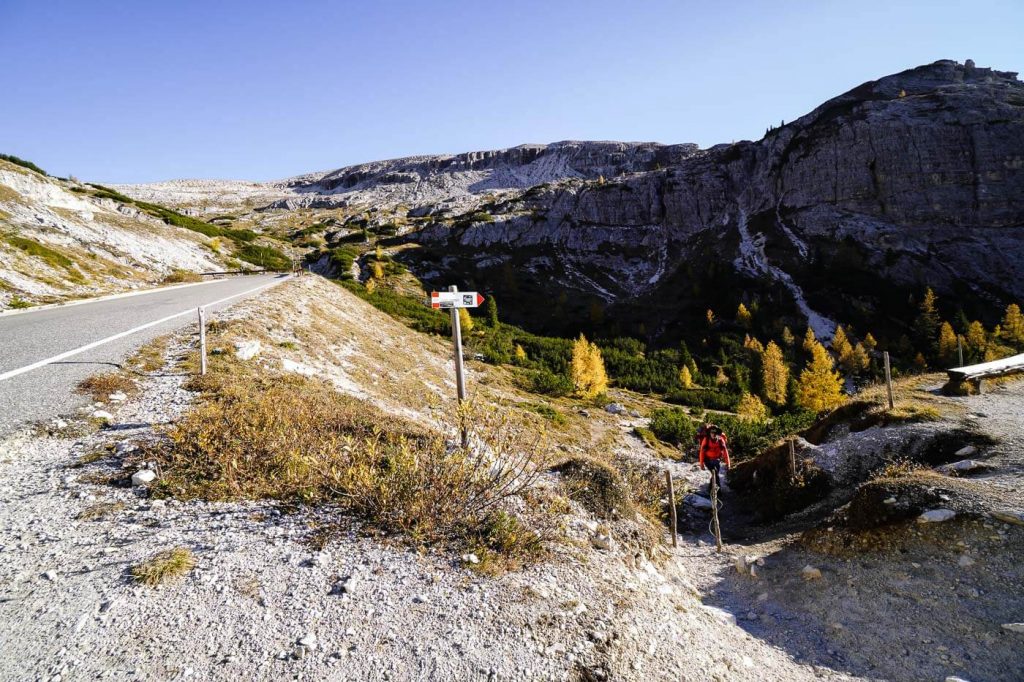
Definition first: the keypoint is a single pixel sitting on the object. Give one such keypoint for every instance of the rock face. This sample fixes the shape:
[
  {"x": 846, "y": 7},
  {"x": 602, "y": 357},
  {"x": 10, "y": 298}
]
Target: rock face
[{"x": 911, "y": 180}]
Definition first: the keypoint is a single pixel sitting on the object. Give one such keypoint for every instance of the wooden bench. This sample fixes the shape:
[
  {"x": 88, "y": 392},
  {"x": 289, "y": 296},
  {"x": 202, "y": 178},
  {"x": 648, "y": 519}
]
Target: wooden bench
[{"x": 976, "y": 374}]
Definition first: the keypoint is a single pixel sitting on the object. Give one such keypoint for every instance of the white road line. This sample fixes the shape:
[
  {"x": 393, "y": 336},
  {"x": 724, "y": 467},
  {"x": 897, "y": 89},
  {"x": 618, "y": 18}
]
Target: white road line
[{"x": 115, "y": 337}]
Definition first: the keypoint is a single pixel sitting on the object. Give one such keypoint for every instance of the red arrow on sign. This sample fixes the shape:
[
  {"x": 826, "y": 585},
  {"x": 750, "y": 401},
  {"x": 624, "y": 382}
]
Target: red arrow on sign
[{"x": 479, "y": 299}]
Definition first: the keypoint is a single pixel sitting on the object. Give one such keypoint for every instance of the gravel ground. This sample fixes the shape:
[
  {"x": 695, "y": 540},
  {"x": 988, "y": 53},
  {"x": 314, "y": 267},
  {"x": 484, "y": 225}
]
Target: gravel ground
[{"x": 366, "y": 608}]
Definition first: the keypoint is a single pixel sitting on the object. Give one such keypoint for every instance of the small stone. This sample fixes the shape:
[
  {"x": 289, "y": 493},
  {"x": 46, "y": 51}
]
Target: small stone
[
  {"x": 811, "y": 573},
  {"x": 966, "y": 451},
  {"x": 247, "y": 350},
  {"x": 308, "y": 640},
  {"x": 936, "y": 516},
  {"x": 117, "y": 397},
  {"x": 889, "y": 500},
  {"x": 720, "y": 614},
  {"x": 419, "y": 599},
  {"x": 697, "y": 502},
  {"x": 102, "y": 414},
  {"x": 143, "y": 476},
  {"x": 470, "y": 558},
  {"x": 965, "y": 561},
  {"x": 50, "y": 575},
  {"x": 1014, "y": 627},
  {"x": 124, "y": 447}
]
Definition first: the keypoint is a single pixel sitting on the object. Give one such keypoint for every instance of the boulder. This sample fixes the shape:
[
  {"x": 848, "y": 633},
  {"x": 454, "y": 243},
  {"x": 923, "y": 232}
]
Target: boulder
[
  {"x": 936, "y": 516},
  {"x": 614, "y": 408},
  {"x": 966, "y": 451},
  {"x": 1014, "y": 627},
  {"x": 143, "y": 476},
  {"x": 247, "y": 350}
]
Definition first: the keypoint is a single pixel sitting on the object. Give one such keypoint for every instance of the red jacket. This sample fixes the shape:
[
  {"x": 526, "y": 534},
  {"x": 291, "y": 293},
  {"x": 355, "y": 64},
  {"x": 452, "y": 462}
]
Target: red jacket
[{"x": 714, "y": 448}]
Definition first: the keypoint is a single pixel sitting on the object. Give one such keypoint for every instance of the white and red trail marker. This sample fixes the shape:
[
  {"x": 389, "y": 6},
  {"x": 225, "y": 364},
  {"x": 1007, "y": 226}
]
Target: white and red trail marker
[{"x": 455, "y": 299}]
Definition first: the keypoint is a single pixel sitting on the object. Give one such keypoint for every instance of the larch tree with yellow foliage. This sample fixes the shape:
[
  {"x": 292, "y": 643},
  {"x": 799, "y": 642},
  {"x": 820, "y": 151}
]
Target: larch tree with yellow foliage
[
  {"x": 750, "y": 407},
  {"x": 787, "y": 337},
  {"x": 743, "y": 316},
  {"x": 977, "y": 340},
  {"x": 774, "y": 374},
  {"x": 1012, "y": 328},
  {"x": 589, "y": 378},
  {"x": 685, "y": 378},
  {"x": 947, "y": 344},
  {"x": 820, "y": 387},
  {"x": 870, "y": 343},
  {"x": 519, "y": 353},
  {"x": 465, "y": 321},
  {"x": 378, "y": 271},
  {"x": 810, "y": 341},
  {"x": 842, "y": 348}
]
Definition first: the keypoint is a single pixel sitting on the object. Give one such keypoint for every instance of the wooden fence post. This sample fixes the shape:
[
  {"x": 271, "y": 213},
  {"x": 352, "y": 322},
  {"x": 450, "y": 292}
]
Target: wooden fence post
[
  {"x": 792, "y": 459},
  {"x": 888, "y": 378},
  {"x": 202, "y": 341},
  {"x": 460, "y": 377},
  {"x": 960, "y": 350},
  {"x": 671, "y": 506},
  {"x": 714, "y": 513}
]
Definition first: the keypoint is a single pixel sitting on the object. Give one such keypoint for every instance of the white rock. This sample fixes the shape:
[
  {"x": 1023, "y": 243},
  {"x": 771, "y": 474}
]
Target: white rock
[
  {"x": 308, "y": 640},
  {"x": 964, "y": 466},
  {"x": 697, "y": 501},
  {"x": 936, "y": 516},
  {"x": 810, "y": 573},
  {"x": 720, "y": 614},
  {"x": 247, "y": 350},
  {"x": 1014, "y": 627},
  {"x": 117, "y": 397},
  {"x": 102, "y": 414},
  {"x": 966, "y": 451},
  {"x": 50, "y": 575},
  {"x": 889, "y": 500},
  {"x": 1008, "y": 516},
  {"x": 297, "y": 367},
  {"x": 124, "y": 447},
  {"x": 143, "y": 476},
  {"x": 602, "y": 541},
  {"x": 614, "y": 408},
  {"x": 954, "y": 678},
  {"x": 470, "y": 558},
  {"x": 965, "y": 561}
]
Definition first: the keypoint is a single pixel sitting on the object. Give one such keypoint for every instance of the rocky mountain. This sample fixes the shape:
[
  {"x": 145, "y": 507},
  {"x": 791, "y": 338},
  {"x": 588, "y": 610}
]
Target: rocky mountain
[
  {"x": 909, "y": 181},
  {"x": 846, "y": 213}
]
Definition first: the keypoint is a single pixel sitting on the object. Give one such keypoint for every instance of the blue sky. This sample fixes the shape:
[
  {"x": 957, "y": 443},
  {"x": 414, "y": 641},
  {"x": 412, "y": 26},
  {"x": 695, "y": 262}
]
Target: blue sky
[{"x": 145, "y": 91}]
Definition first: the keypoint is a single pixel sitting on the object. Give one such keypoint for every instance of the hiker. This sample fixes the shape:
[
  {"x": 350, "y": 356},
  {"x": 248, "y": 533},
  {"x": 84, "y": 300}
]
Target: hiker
[{"x": 713, "y": 449}]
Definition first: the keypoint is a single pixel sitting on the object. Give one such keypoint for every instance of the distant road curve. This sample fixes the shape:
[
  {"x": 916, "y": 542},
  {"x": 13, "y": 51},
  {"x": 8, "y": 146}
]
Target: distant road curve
[{"x": 45, "y": 353}]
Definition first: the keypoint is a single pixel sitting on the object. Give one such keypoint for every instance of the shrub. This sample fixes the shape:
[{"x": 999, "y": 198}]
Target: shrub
[
  {"x": 178, "y": 275},
  {"x": 23, "y": 163},
  {"x": 342, "y": 258},
  {"x": 100, "y": 386},
  {"x": 18, "y": 303},
  {"x": 265, "y": 256},
  {"x": 672, "y": 425},
  {"x": 169, "y": 564},
  {"x": 707, "y": 398},
  {"x": 298, "y": 439},
  {"x": 546, "y": 382},
  {"x": 597, "y": 486},
  {"x": 55, "y": 259},
  {"x": 408, "y": 309}
]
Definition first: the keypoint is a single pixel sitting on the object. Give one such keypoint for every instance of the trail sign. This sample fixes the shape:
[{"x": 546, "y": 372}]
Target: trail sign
[{"x": 455, "y": 299}]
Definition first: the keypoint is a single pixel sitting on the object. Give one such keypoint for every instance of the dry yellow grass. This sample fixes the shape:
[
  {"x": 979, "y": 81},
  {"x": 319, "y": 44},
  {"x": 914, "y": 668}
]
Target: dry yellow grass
[
  {"x": 101, "y": 386},
  {"x": 170, "y": 564},
  {"x": 100, "y": 510}
]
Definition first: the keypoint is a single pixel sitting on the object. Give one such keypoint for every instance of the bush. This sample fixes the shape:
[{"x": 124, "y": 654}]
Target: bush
[
  {"x": 169, "y": 564},
  {"x": 265, "y": 256},
  {"x": 100, "y": 386},
  {"x": 672, "y": 425},
  {"x": 342, "y": 259},
  {"x": 704, "y": 398},
  {"x": 750, "y": 438},
  {"x": 23, "y": 163},
  {"x": 412, "y": 311},
  {"x": 298, "y": 439},
  {"x": 178, "y": 275},
  {"x": 546, "y": 382},
  {"x": 55, "y": 259},
  {"x": 597, "y": 486}
]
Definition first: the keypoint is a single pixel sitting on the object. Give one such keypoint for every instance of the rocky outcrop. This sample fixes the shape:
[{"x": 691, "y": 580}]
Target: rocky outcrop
[{"x": 915, "y": 179}]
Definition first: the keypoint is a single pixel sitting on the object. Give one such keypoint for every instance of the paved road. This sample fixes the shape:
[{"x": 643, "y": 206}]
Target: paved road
[{"x": 30, "y": 338}]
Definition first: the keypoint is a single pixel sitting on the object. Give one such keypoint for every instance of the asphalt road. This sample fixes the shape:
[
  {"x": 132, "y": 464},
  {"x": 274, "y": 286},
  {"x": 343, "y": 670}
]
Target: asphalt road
[{"x": 32, "y": 337}]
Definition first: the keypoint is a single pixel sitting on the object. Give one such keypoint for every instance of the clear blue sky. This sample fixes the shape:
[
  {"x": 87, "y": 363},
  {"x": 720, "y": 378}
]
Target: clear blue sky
[{"x": 149, "y": 90}]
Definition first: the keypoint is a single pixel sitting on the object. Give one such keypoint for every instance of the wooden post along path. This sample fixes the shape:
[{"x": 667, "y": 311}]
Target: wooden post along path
[
  {"x": 202, "y": 341},
  {"x": 792, "y": 459},
  {"x": 672, "y": 506},
  {"x": 714, "y": 513},
  {"x": 453, "y": 299},
  {"x": 888, "y": 379}
]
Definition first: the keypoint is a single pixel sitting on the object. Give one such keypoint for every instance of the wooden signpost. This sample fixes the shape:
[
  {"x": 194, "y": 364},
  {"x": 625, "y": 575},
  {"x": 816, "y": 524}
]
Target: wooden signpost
[
  {"x": 888, "y": 379},
  {"x": 453, "y": 299},
  {"x": 202, "y": 341}
]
